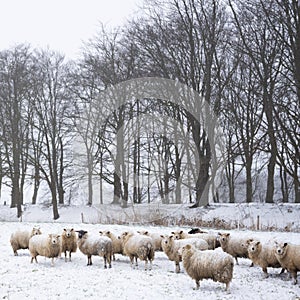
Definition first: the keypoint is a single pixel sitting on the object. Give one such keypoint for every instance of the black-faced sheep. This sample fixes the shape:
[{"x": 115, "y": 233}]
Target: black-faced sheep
[
  {"x": 116, "y": 242},
  {"x": 237, "y": 247},
  {"x": 171, "y": 246},
  {"x": 209, "y": 264},
  {"x": 20, "y": 239},
  {"x": 69, "y": 242},
  {"x": 138, "y": 246},
  {"x": 45, "y": 245},
  {"x": 263, "y": 255},
  {"x": 288, "y": 256},
  {"x": 211, "y": 239},
  {"x": 89, "y": 246},
  {"x": 156, "y": 238}
]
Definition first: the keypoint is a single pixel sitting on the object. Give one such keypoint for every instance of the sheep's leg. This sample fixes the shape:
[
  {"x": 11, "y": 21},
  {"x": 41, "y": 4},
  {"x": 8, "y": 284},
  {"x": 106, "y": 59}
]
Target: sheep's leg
[
  {"x": 150, "y": 265},
  {"x": 236, "y": 259},
  {"x": 66, "y": 256},
  {"x": 197, "y": 285},
  {"x": 69, "y": 255},
  {"x": 104, "y": 258},
  {"x": 109, "y": 260},
  {"x": 131, "y": 261},
  {"x": 282, "y": 271},
  {"x": 52, "y": 262},
  {"x": 294, "y": 275},
  {"x": 227, "y": 286},
  {"x": 266, "y": 275},
  {"x": 177, "y": 267},
  {"x": 252, "y": 264},
  {"x": 89, "y": 260},
  {"x": 136, "y": 262},
  {"x": 146, "y": 264}
]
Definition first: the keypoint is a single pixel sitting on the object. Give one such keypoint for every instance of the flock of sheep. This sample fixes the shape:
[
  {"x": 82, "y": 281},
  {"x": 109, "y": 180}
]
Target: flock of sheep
[{"x": 204, "y": 255}]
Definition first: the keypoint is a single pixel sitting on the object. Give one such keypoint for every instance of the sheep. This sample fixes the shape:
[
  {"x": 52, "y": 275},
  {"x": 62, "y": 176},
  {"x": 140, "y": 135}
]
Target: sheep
[
  {"x": 138, "y": 246},
  {"x": 263, "y": 255},
  {"x": 171, "y": 246},
  {"x": 45, "y": 245},
  {"x": 209, "y": 264},
  {"x": 209, "y": 238},
  {"x": 237, "y": 247},
  {"x": 288, "y": 256},
  {"x": 69, "y": 242},
  {"x": 89, "y": 246},
  {"x": 196, "y": 230},
  {"x": 20, "y": 239},
  {"x": 156, "y": 238},
  {"x": 116, "y": 243}
]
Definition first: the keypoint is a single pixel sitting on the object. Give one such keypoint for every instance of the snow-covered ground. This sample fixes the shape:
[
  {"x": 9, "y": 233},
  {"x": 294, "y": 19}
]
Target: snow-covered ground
[{"x": 19, "y": 279}]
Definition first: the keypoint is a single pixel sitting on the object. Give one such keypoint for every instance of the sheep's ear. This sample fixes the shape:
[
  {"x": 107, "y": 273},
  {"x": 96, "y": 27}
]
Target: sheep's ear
[
  {"x": 72, "y": 229},
  {"x": 181, "y": 232},
  {"x": 146, "y": 232},
  {"x": 257, "y": 243},
  {"x": 50, "y": 235},
  {"x": 101, "y": 232},
  {"x": 138, "y": 231},
  {"x": 227, "y": 234},
  {"x": 65, "y": 229},
  {"x": 219, "y": 233},
  {"x": 171, "y": 236},
  {"x": 58, "y": 235},
  {"x": 173, "y": 232},
  {"x": 285, "y": 244}
]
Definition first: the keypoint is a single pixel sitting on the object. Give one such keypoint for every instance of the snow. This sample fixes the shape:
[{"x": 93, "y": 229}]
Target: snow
[{"x": 19, "y": 279}]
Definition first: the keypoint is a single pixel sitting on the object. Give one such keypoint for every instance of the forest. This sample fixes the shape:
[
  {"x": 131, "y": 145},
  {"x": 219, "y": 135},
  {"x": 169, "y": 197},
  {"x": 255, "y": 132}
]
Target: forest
[{"x": 106, "y": 120}]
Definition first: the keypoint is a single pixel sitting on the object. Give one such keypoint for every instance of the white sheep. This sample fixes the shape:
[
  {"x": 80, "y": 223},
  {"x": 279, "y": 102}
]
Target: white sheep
[
  {"x": 263, "y": 255},
  {"x": 45, "y": 245},
  {"x": 89, "y": 246},
  {"x": 209, "y": 264},
  {"x": 171, "y": 246},
  {"x": 20, "y": 239},
  {"x": 116, "y": 242},
  {"x": 288, "y": 256},
  {"x": 69, "y": 242},
  {"x": 211, "y": 239},
  {"x": 138, "y": 246},
  {"x": 237, "y": 247},
  {"x": 156, "y": 238}
]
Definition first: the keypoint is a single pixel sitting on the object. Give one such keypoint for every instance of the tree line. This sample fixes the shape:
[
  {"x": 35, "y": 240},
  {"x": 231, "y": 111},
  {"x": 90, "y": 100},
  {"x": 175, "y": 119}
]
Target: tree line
[{"x": 241, "y": 57}]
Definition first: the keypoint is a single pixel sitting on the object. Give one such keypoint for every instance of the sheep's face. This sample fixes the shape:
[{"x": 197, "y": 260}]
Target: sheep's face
[
  {"x": 253, "y": 247},
  {"x": 224, "y": 237},
  {"x": 280, "y": 248},
  {"x": 81, "y": 233},
  {"x": 167, "y": 240},
  {"x": 177, "y": 235},
  {"x": 54, "y": 239},
  {"x": 68, "y": 232},
  {"x": 35, "y": 231}
]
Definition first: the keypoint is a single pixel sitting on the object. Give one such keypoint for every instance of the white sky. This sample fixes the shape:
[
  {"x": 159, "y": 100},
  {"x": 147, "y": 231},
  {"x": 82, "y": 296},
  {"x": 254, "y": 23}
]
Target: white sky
[{"x": 61, "y": 25}]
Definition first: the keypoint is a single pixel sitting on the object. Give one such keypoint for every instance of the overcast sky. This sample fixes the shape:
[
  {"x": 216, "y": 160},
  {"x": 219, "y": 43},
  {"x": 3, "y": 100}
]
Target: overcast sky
[{"x": 60, "y": 24}]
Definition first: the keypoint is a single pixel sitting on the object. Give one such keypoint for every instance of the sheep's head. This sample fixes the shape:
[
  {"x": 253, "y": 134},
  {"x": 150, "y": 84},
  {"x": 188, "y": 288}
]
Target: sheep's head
[
  {"x": 54, "y": 239},
  {"x": 254, "y": 247},
  {"x": 280, "y": 248},
  {"x": 177, "y": 234},
  {"x": 167, "y": 240},
  {"x": 35, "y": 231},
  {"x": 68, "y": 232},
  {"x": 185, "y": 249},
  {"x": 223, "y": 237},
  {"x": 143, "y": 232},
  {"x": 81, "y": 233}
]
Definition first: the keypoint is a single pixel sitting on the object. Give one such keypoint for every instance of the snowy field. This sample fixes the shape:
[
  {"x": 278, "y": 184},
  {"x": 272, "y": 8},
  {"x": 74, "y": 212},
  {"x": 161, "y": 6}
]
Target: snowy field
[{"x": 19, "y": 279}]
